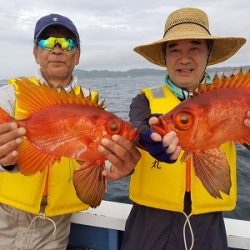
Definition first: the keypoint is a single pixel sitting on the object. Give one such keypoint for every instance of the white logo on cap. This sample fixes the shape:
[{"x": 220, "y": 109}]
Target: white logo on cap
[{"x": 55, "y": 19}]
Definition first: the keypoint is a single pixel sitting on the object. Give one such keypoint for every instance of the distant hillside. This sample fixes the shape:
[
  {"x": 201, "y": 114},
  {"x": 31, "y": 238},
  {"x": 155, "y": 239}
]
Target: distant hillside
[
  {"x": 227, "y": 69},
  {"x": 141, "y": 72},
  {"x": 113, "y": 74},
  {"x": 82, "y": 74}
]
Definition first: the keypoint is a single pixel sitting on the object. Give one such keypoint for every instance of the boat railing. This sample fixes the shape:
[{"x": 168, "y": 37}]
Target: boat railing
[{"x": 113, "y": 215}]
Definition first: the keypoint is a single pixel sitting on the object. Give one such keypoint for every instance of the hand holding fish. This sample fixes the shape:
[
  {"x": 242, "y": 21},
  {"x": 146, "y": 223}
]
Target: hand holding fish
[
  {"x": 10, "y": 138},
  {"x": 170, "y": 140},
  {"x": 247, "y": 120},
  {"x": 122, "y": 154},
  {"x": 162, "y": 147}
]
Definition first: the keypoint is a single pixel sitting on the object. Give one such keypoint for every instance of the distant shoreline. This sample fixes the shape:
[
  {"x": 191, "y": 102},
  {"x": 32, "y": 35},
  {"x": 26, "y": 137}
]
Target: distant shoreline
[
  {"x": 82, "y": 74},
  {"x": 85, "y": 74}
]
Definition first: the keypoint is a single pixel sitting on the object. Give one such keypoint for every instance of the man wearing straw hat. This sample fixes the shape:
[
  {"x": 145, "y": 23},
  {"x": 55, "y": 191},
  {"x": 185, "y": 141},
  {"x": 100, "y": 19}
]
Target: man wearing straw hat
[{"x": 172, "y": 210}]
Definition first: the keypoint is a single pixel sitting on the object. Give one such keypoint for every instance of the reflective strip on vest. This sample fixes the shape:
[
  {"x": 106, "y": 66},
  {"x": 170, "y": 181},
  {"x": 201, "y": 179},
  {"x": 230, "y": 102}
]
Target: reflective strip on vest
[{"x": 158, "y": 92}]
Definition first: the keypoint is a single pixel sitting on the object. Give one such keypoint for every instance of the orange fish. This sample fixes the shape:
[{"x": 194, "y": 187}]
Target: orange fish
[
  {"x": 212, "y": 117},
  {"x": 61, "y": 124}
]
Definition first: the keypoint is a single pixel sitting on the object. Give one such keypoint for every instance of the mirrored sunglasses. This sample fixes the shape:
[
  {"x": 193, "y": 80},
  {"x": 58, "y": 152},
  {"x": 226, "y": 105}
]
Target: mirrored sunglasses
[{"x": 49, "y": 43}]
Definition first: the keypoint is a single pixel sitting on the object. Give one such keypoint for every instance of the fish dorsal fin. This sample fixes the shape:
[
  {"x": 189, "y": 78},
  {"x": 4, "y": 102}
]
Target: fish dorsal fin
[
  {"x": 239, "y": 80},
  {"x": 32, "y": 98}
]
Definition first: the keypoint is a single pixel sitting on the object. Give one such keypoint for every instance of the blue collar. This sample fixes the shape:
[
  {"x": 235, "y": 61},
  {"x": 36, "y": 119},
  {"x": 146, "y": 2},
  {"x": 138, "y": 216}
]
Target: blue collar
[{"x": 183, "y": 93}]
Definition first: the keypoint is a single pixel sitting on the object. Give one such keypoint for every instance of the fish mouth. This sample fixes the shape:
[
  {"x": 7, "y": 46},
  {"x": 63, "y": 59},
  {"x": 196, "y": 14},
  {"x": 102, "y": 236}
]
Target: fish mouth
[
  {"x": 163, "y": 127},
  {"x": 129, "y": 132},
  {"x": 133, "y": 134}
]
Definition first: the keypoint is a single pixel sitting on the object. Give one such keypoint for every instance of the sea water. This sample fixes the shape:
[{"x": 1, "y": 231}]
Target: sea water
[{"x": 118, "y": 94}]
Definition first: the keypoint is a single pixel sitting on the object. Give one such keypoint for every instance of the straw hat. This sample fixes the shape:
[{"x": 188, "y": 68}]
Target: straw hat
[{"x": 190, "y": 23}]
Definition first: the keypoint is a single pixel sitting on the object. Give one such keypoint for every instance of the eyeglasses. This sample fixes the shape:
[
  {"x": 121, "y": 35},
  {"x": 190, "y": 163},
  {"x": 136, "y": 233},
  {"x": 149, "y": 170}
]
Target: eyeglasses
[{"x": 67, "y": 44}]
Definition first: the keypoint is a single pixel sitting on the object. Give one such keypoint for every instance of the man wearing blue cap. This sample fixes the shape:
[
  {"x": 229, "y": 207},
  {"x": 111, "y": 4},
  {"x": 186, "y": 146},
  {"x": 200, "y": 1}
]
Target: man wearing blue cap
[{"x": 35, "y": 211}]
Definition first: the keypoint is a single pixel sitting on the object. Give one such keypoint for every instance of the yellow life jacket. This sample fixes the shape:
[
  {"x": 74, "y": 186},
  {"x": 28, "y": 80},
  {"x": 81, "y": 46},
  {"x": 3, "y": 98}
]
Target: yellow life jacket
[
  {"x": 26, "y": 192},
  {"x": 163, "y": 185}
]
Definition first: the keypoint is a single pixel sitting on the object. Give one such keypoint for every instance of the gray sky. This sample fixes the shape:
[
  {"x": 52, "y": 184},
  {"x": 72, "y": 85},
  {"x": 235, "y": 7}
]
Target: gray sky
[{"x": 109, "y": 29}]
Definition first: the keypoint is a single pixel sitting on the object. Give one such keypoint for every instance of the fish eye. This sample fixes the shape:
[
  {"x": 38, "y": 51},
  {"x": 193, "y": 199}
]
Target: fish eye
[
  {"x": 113, "y": 127},
  {"x": 183, "y": 120}
]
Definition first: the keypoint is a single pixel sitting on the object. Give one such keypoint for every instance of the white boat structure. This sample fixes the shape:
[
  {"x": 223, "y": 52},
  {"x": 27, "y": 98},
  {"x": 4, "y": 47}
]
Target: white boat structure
[{"x": 101, "y": 228}]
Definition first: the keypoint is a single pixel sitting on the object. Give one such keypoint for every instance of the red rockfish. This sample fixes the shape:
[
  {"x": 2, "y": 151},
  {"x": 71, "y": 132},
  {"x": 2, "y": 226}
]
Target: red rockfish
[
  {"x": 61, "y": 124},
  {"x": 212, "y": 117}
]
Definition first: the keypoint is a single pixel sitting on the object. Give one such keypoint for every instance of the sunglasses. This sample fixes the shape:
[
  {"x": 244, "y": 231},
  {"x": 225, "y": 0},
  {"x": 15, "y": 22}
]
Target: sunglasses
[{"x": 67, "y": 44}]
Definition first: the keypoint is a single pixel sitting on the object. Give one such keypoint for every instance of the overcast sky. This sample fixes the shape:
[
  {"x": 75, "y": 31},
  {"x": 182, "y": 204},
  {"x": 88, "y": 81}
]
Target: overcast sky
[{"x": 109, "y": 29}]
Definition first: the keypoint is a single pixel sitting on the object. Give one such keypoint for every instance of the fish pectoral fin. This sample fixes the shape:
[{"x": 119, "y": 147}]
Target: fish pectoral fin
[
  {"x": 211, "y": 167},
  {"x": 32, "y": 160},
  {"x": 89, "y": 183}
]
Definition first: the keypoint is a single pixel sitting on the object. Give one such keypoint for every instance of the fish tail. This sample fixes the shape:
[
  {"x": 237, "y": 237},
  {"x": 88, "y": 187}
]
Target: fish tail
[
  {"x": 5, "y": 117},
  {"x": 89, "y": 183}
]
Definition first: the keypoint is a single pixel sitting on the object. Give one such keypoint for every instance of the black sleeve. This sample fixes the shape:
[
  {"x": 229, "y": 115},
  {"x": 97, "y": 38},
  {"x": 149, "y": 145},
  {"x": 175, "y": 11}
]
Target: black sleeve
[
  {"x": 10, "y": 168},
  {"x": 140, "y": 113}
]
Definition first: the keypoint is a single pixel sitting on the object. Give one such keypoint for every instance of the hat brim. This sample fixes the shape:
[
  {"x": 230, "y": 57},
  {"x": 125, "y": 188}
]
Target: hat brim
[{"x": 223, "y": 48}]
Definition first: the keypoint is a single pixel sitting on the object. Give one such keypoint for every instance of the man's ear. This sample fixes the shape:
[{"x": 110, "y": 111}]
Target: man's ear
[
  {"x": 77, "y": 56},
  {"x": 35, "y": 48}
]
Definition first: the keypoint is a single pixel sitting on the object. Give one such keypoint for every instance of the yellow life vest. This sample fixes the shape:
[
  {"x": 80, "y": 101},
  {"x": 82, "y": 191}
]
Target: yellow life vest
[
  {"x": 163, "y": 185},
  {"x": 26, "y": 192}
]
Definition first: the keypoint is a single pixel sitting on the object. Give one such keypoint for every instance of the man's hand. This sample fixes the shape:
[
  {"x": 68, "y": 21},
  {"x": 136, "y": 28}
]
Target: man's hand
[
  {"x": 169, "y": 141},
  {"x": 247, "y": 120},
  {"x": 122, "y": 154},
  {"x": 10, "y": 138}
]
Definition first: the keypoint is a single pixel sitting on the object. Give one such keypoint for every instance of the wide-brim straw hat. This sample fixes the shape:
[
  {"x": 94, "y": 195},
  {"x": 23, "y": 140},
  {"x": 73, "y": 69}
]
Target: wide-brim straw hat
[{"x": 190, "y": 23}]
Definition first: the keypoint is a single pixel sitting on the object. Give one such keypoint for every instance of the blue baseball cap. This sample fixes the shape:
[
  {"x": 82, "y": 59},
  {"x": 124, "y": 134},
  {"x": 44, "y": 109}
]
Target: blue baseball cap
[{"x": 54, "y": 20}]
